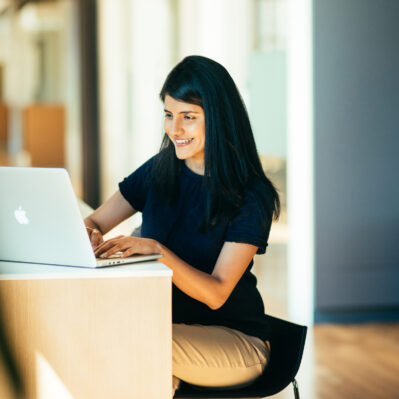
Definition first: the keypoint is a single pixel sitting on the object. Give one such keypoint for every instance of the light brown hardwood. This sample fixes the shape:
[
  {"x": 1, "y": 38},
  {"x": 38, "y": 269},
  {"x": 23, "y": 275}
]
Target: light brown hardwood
[
  {"x": 93, "y": 338},
  {"x": 359, "y": 361}
]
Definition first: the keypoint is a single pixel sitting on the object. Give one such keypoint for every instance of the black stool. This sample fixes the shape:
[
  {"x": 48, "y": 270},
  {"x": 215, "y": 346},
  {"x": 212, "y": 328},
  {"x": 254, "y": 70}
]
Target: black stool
[{"x": 287, "y": 342}]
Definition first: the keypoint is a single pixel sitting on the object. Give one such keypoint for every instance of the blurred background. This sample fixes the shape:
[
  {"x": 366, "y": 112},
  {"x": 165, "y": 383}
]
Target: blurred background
[{"x": 79, "y": 84}]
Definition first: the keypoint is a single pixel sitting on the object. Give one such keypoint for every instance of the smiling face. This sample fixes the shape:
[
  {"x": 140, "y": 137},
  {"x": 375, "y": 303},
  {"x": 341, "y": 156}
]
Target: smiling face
[{"x": 185, "y": 125}]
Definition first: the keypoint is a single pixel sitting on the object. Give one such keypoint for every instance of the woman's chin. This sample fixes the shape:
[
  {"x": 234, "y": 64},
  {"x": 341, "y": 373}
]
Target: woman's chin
[{"x": 180, "y": 155}]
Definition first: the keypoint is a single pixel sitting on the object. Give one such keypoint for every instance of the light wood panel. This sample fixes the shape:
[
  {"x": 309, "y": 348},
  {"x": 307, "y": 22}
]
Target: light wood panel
[
  {"x": 6, "y": 391},
  {"x": 94, "y": 338},
  {"x": 44, "y": 134}
]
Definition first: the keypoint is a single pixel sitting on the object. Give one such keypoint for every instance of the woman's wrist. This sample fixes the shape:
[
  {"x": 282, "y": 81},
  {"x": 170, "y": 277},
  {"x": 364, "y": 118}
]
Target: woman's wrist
[
  {"x": 91, "y": 225},
  {"x": 164, "y": 251},
  {"x": 158, "y": 247}
]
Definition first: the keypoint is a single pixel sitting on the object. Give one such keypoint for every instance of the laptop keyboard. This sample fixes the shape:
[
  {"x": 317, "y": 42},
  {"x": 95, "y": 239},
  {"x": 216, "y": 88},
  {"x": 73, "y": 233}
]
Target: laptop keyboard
[{"x": 114, "y": 256}]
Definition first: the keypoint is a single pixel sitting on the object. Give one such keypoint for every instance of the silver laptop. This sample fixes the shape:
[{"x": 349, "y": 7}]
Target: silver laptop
[{"x": 40, "y": 221}]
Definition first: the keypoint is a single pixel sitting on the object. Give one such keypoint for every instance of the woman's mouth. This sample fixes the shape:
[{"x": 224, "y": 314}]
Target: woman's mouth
[{"x": 182, "y": 143}]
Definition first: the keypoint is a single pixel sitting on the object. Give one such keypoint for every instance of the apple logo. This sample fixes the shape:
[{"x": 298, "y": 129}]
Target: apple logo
[{"x": 20, "y": 215}]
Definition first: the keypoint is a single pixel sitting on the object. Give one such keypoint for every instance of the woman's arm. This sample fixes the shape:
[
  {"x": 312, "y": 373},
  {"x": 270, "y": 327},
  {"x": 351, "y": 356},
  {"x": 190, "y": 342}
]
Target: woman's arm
[
  {"x": 115, "y": 210},
  {"x": 211, "y": 289}
]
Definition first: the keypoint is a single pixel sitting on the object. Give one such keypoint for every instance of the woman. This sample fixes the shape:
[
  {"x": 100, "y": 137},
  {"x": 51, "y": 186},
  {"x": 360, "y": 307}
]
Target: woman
[{"x": 207, "y": 207}]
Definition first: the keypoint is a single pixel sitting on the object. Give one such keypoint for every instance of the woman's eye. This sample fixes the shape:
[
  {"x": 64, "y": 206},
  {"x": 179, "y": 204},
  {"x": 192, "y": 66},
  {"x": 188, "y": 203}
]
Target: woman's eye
[
  {"x": 168, "y": 116},
  {"x": 188, "y": 117}
]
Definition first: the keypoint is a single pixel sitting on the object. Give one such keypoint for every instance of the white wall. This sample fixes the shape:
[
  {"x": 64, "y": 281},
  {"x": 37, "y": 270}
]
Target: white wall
[
  {"x": 221, "y": 30},
  {"x": 17, "y": 53},
  {"x": 134, "y": 59},
  {"x": 356, "y": 69},
  {"x": 300, "y": 165}
]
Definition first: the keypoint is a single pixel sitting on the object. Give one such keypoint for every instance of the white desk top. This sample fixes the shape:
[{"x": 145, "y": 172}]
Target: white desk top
[{"x": 29, "y": 271}]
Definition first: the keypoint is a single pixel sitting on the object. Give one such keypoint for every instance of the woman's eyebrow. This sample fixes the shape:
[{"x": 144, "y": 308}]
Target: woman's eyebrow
[{"x": 183, "y": 112}]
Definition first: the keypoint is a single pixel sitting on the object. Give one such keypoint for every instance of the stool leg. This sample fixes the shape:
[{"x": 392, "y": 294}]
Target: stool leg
[{"x": 296, "y": 389}]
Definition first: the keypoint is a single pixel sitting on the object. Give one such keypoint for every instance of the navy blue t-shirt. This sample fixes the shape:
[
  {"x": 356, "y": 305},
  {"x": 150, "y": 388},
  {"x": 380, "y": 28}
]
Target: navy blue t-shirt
[{"x": 176, "y": 226}]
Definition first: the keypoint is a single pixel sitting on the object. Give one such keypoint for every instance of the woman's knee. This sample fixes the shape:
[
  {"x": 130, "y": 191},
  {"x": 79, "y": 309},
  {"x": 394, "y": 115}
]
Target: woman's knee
[{"x": 216, "y": 356}]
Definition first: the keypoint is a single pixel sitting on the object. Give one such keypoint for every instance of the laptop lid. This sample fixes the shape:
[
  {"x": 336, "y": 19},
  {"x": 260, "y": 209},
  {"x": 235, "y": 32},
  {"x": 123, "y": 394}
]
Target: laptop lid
[{"x": 40, "y": 220}]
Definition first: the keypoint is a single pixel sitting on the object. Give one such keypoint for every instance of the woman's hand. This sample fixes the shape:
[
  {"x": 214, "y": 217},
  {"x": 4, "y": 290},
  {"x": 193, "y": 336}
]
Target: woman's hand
[
  {"x": 96, "y": 238},
  {"x": 128, "y": 245}
]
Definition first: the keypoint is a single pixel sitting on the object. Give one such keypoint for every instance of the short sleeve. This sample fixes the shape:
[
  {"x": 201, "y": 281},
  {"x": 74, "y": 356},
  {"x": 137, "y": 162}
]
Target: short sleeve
[
  {"x": 249, "y": 226},
  {"x": 135, "y": 187}
]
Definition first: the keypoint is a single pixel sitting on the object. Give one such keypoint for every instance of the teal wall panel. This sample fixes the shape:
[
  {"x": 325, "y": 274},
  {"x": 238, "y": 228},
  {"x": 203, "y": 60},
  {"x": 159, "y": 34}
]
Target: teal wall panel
[{"x": 267, "y": 96}]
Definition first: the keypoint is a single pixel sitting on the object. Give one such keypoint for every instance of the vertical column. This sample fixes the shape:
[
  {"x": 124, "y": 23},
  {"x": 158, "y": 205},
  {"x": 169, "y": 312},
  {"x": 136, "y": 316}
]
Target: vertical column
[
  {"x": 113, "y": 32},
  {"x": 70, "y": 59},
  {"x": 150, "y": 62},
  {"x": 90, "y": 117},
  {"x": 300, "y": 168}
]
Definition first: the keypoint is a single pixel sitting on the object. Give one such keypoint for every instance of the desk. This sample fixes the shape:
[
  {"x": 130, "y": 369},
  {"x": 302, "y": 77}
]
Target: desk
[{"x": 90, "y": 334}]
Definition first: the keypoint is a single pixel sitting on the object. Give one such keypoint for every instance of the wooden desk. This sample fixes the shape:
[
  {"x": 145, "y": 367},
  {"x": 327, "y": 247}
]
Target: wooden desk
[{"x": 90, "y": 334}]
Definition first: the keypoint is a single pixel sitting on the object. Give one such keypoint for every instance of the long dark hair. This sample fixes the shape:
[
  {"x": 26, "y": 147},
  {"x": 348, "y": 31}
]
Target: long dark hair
[{"x": 231, "y": 160}]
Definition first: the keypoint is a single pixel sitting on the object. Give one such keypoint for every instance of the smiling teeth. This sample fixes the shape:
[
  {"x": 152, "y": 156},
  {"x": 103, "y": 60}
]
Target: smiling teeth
[{"x": 183, "y": 141}]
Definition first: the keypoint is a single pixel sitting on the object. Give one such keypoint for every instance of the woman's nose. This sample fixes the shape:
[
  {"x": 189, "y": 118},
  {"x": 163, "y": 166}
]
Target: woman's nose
[{"x": 175, "y": 128}]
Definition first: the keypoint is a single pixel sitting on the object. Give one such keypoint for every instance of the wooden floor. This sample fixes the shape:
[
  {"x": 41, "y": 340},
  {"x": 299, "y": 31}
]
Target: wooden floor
[
  {"x": 340, "y": 361},
  {"x": 349, "y": 362},
  {"x": 356, "y": 361}
]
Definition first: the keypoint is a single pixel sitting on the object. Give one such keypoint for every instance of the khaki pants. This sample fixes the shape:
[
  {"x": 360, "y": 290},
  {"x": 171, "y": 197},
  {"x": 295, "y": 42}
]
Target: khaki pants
[{"x": 216, "y": 356}]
